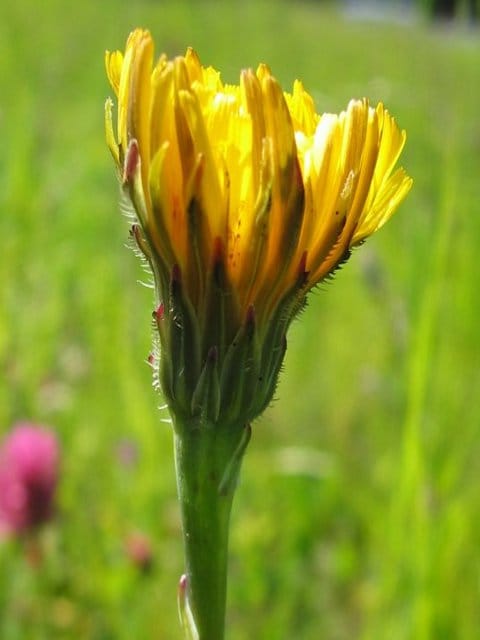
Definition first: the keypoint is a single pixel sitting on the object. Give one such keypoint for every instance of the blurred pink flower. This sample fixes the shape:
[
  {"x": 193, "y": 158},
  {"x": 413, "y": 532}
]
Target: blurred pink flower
[
  {"x": 139, "y": 550},
  {"x": 29, "y": 460}
]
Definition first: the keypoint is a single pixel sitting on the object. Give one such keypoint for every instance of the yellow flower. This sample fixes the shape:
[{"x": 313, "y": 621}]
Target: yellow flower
[{"x": 245, "y": 197}]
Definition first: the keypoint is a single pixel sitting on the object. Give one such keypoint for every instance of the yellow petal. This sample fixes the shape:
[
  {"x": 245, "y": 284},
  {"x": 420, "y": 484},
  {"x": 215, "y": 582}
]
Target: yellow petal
[
  {"x": 250, "y": 169},
  {"x": 113, "y": 66},
  {"x": 110, "y": 136}
]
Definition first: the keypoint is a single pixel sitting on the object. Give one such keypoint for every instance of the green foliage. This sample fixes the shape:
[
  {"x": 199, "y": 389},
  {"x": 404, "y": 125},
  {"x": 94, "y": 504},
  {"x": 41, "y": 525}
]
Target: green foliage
[{"x": 357, "y": 515}]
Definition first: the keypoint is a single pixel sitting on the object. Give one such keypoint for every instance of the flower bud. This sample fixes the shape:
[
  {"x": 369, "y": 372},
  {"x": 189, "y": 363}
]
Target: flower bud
[{"x": 245, "y": 199}]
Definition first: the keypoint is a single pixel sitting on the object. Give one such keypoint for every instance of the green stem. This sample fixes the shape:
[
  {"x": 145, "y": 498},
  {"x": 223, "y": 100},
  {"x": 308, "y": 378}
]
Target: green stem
[{"x": 207, "y": 461}]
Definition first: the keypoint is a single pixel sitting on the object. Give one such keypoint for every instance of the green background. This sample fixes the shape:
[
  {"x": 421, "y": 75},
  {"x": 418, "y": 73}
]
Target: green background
[{"x": 357, "y": 515}]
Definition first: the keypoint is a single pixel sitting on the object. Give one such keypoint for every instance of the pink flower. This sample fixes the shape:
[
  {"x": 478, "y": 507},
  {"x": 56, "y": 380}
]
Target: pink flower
[
  {"x": 139, "y": 550},
  {"x": 29, "y": 460}
]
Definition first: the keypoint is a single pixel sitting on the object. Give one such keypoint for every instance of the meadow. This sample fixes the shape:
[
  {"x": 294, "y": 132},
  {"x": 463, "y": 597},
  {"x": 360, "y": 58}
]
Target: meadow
[{"x": 358, "y": 512}]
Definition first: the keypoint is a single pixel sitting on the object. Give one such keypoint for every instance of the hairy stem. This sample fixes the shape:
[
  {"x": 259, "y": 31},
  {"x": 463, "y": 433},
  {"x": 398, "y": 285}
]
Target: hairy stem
[{"x": 207, "y": 460}]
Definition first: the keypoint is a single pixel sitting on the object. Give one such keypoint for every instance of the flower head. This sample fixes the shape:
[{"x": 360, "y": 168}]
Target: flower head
[
  {"x": 29, "y": 458},
  {"x": 244, "y": 198}
]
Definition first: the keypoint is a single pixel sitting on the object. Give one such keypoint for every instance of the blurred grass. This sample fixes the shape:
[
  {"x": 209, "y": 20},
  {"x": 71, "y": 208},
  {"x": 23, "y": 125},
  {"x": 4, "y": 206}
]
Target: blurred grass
[{"x": 358, "y": 510}]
